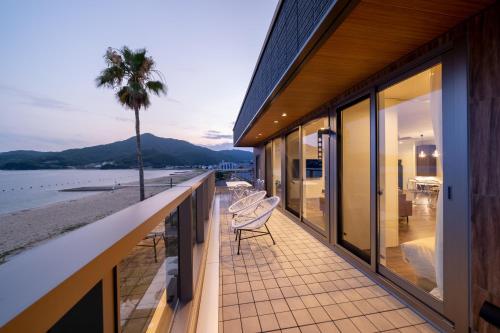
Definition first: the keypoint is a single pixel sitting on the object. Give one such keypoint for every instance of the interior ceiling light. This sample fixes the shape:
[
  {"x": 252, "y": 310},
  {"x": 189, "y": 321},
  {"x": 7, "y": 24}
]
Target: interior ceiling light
[
  {"x": 283, "y": 114},
  {"x": 422, "y": 153},
  {"x": 435, "y": 154},
  {"x": 275, "y": 121},
  {"x": 260, "y": 134}
]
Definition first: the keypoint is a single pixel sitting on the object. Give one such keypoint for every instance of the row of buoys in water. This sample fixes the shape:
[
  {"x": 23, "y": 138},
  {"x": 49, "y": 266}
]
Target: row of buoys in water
[
  {"x": 57, "y": 184},
  {"x": 50, "y": 185}
]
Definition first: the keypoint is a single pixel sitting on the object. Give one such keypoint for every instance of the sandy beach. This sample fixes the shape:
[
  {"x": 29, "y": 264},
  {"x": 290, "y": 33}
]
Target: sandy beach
[{"x": 27, "y": 228}]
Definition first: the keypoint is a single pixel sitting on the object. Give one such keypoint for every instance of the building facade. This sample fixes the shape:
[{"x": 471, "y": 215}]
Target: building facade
[{"x": 377, "y": 124}]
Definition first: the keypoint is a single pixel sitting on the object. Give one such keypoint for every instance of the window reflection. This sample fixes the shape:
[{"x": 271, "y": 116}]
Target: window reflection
[
  {"x": 277, "y": 167},
  {"x": 313, "y": 166},
  {"x": 293, "y": 173},
  {"x": 355, "y": 179}
]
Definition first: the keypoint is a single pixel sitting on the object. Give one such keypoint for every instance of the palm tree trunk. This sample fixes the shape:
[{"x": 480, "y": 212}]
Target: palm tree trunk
[{"x": 139, "y": 154}]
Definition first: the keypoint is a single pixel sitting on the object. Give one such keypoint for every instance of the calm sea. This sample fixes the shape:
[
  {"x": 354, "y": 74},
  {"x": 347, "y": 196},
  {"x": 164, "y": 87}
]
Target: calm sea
[{"x": 28, "y": 189}]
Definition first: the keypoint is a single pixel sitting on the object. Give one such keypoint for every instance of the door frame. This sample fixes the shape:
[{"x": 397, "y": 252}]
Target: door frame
[{"x": 456, "y": 304}]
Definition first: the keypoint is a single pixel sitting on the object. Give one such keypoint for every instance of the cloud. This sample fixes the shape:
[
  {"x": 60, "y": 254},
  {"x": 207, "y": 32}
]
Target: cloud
[
  {"x": 228, "y": 145},
  {"x": 29, "y": 98},
  {"x": 19, "y": 141},
  {"x": 216, "y": 135}
]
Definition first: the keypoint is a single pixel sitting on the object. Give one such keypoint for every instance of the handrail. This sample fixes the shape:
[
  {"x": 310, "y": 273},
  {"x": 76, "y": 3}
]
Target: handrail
[{"x": 51, "y": 278}]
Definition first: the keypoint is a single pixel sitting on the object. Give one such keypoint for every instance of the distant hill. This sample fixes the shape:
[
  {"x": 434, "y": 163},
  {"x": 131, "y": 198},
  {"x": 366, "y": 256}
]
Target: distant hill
[{"x": 157, "y": 153}]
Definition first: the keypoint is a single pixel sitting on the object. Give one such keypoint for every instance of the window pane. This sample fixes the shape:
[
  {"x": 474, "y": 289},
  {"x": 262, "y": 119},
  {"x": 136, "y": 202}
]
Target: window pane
[
  {"x": 313, "y": 166},
  {"x": 410, "y": 178},
  {"x": 355, "y": 179},
  {"x": 277, "y": 168},
  {"x": 293, "y": 173}
]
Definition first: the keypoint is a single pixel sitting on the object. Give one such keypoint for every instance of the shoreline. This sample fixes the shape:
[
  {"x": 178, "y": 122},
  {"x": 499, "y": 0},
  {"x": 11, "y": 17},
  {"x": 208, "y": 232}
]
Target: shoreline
[{"x": 27, "y": 228}]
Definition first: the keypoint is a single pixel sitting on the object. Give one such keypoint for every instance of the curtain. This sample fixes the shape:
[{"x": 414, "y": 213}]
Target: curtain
[{"x": 437, "y": 124}]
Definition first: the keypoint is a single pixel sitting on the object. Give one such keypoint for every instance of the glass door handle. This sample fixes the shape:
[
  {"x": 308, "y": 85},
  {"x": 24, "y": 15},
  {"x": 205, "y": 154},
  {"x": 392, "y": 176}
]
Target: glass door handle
[{"x": 380, "y": 192}]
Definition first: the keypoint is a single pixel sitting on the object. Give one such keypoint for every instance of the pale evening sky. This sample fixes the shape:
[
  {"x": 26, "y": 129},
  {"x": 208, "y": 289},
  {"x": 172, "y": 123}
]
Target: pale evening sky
[{"x": 52, "y": 51}]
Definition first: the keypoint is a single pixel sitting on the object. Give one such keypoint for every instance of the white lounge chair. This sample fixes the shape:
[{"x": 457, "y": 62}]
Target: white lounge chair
[
  {"x": 253, "y": 218},
  {"x": 246, "y": 202}
]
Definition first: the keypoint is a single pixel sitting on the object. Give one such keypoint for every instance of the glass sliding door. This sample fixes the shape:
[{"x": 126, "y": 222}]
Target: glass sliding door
[
  {"x": 269, "y": 168},
  {"x": 277, "y": 168},
  {"x": 293, "y": 174},
  {"x": 313, "y": 168},
  {"x": 354, "y": 179},
  {"x": 410, "y": 158}
]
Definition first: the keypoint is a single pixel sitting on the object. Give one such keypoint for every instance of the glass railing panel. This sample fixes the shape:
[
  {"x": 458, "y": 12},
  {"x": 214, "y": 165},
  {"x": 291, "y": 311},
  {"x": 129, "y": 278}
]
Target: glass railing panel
[{"x": 148, "y": 279}]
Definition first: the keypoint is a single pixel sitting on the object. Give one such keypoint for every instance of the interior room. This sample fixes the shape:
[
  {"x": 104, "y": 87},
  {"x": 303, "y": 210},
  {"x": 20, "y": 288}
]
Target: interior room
[{"x": 410, "y": 178}]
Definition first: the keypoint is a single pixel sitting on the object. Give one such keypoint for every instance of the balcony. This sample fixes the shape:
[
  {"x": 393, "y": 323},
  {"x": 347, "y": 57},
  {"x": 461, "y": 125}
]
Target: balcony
[
  {"x": 300, "y": 285},
  {"x": 159, "y": 265}
]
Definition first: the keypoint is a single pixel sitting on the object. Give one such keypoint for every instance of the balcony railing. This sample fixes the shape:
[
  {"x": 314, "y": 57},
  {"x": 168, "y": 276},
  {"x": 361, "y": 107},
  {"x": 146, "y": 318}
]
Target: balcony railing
[{"x": 128, "y": 272}]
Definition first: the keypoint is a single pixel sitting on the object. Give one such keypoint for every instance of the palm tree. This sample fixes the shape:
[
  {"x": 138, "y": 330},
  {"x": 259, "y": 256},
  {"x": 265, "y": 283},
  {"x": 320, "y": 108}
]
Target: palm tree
[{"x": 133, "y": 76}]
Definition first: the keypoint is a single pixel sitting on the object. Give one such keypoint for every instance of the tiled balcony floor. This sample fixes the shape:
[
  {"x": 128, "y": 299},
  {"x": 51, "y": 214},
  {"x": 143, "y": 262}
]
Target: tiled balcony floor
[{"x": 300, "y": 285}]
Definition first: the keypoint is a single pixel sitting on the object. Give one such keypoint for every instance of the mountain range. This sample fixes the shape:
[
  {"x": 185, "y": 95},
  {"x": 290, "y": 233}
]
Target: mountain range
[{"x": 157, "y": 153}]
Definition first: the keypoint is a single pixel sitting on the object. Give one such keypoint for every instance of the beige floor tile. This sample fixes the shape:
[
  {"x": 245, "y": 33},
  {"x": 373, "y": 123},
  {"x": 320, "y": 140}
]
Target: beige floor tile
[
  {"x": 248, "y": 310},
  {"x": 318, "y": 314},
  {"x": 350, "y": 309},
  {"x": 286, "y": 319},
  {"x": 411, "y": 316},
  {"x": 289, "y": 292},
  {"x": 310, "y": 329},
  {"x": 232, "y": 326},
  {"x": 270, "y": 283},
  {"x": 245, "y": 297},
  {"x": 328, "y": 327},
  {"x": 260, "y": 295},
  {"x": 346, "y": 326},
  {"x": 409, "y": 329},
  {"x": 230, "y": 312},
  {"x": 274, "y": 293},
  {"x": 295, "y": 303},
  {"x": 243, "y": 286},
  {"x": 396, "y": 319},
  {"x": 426, "y": 328},
  {"x": 324, "y": 299},
  {"x": 291, "y": 330},
  {"x": 310, "y": 301},
  {"x": 380, "y": 322},
  {"x": 335, "y": 312},
  {"x": 302, "y": 317},
  {"x": 364, "y": 307},
  {"x": 364, "y": 325},
  {"x": 264, "y": 308},
  {"x": 229, "y": 299},
  {"x": 302, "y": 290},
  {"x": 250, "y": 325},
  {"x": 279, "y": 305},
  {"x": 268, "y": 322},
  {"x": 257, "y": 285}
]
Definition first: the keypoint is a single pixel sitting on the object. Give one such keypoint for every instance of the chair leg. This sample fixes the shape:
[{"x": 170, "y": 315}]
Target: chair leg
[
  {"x": 154, "y": 247},
  {"x": 239, "y": 240},
  {"x": 236, "y": 232},
  {"x": 270, "y": 234}
]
